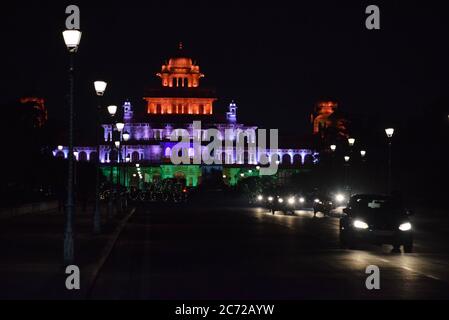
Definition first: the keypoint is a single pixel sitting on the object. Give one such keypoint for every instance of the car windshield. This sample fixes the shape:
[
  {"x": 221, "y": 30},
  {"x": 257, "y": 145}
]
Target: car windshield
[{"x": 376, "y": 205}]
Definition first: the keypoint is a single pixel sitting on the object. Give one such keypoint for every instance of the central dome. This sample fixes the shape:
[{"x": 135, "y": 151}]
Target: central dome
[{"x": 180, "y": 62}]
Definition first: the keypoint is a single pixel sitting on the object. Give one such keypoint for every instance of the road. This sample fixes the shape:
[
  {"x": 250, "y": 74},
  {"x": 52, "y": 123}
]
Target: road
[{"x": 238, "y": 252}]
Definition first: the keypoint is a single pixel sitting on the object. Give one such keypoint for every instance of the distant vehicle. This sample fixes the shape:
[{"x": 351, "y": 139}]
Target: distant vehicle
[
  {"x": 376, "y": 219},
  {"x": 286, "y": 204},
  {"x": 325, "y": 204},
  {"x": 322, "y": 204}
]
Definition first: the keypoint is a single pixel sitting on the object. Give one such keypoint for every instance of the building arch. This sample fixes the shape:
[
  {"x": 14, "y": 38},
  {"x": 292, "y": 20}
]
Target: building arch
[
  {"x": 246, "y": 157},
  {"x": 93, "y": 156},
  {"x": 113, "y": 155},
  {"x": 286, "y": 159},
  {"x": 308, "y": 160},
  {"x": 297, "y": 159},
  {"x": 135, "y": 156},
  {"x": 60, "y": 154},
  {"x": 82, "y": 156}
]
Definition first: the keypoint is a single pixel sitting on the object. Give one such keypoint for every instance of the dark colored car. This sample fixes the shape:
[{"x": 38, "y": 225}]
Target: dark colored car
[
  {"x": 322, "y": 204},
  {"x": 376, "y": 219}
]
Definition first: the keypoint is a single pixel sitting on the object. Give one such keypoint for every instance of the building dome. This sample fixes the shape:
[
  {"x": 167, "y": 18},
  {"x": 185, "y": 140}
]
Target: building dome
[{"x": 180, "y": 62}]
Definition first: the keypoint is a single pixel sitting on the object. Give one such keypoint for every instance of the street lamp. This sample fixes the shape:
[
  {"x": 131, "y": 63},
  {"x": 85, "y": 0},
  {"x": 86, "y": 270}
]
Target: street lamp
[
  {"x": 351, "y": 142},
  {"x": 363, "y": 153},
  {"x": 333, "y": 147},
  {"x": 347, "y": 158},
  {"x": 112, "y": 110},
  {"x": 119, "y": 126},
  {"x": 389, "y": 132},
  {"x": 100, "y": 88},
  {"x": 117, "y": 144},
  {"x": 60, "y": 148},
  {"x": 72, "y": 40},
  {"x": 126, "y": 136}
]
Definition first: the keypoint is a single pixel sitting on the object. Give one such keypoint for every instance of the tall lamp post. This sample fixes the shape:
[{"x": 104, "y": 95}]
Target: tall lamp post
[
  {"x": 100, "y": 88},
  {"x": 347, "y": 158},
  {"x": 389, "y": 132},
  {"x": 117, "y": 146},
  {"x": 119, "y": 126},
  {"x": 126, "y": 137},
  {"x": 112, "y": 110},
  {"x": 72, "y": 40},
  {"x": 332, "y": 174}
]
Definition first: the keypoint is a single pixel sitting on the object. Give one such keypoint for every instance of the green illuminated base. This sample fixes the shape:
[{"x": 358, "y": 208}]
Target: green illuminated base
[{"x": 191, "y": 173}]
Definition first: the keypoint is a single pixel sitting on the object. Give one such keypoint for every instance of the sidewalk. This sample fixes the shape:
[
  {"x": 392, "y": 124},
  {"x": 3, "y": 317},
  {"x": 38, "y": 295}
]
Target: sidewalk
[{"x": 31, "y": 251}]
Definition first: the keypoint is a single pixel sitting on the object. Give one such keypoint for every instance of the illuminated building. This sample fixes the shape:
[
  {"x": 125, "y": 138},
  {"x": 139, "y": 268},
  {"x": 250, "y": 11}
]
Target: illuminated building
[
  {"x": 178, "y": 102},
  {"x": 40, "y": 114},
  {"x": 327, "y": 121}
]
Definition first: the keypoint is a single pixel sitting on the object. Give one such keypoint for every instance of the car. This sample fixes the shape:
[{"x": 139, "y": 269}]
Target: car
[
  {"x": 322, "y": 204},
  {"x": 327, "y": 203},
  {"x": 376, "y": 219},
  {"x": 287, "y": 204}
]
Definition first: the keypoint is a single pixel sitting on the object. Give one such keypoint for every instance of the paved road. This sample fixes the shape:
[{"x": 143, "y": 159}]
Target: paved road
[{"x": 246, "y": 253}]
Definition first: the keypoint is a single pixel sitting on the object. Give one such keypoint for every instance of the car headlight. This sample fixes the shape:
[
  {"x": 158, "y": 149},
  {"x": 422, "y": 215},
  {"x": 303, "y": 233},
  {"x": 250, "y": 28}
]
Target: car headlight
[
  {"x": 360, "y": 224},
  {"x": 317, "y": 200},
  {"x": 339, "y": 198},
  {"x": 302, "y": 200},
  {"x": 280, "y": 200},
  {"x": 260, "y": 198},
  {"x": 405, "y": 226},
  {"x": 291, "y": 200},
  {"x": 270, "y": 199}
]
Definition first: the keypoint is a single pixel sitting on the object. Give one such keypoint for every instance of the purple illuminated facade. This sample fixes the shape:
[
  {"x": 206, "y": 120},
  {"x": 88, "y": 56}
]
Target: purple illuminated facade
[{"x": 175, "y": 106}]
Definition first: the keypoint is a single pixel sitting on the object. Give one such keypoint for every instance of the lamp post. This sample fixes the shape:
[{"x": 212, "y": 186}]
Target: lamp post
[
  {"x": 126, "y": 137},
  {"x": 332, "y": 173},
  {"x": 100, "y": 88},
  {"x": 72, "y": 40},
  {"x": 118, "y": 193},
  {"x": 112, "y": 110},
  {"x": 75, "y": 174},
  {"x": 119, "y": 126},
  {"x": 347, "y": 158},
  {"x": 117, "y": 146},
  {"x": 389, "y": 132}
]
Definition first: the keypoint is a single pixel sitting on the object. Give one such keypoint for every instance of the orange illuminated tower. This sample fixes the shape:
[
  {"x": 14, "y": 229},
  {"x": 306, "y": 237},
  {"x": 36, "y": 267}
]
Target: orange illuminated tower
[
  {"x": 40, "y": 111},
  {"x": 328, "y": 121},
  {"x": 180, "y": 92},
  {"x": 321, "y": 117}
]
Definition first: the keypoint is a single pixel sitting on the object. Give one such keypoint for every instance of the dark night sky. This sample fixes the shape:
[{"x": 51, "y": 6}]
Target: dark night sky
[{"x": 276, "y": 60}]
